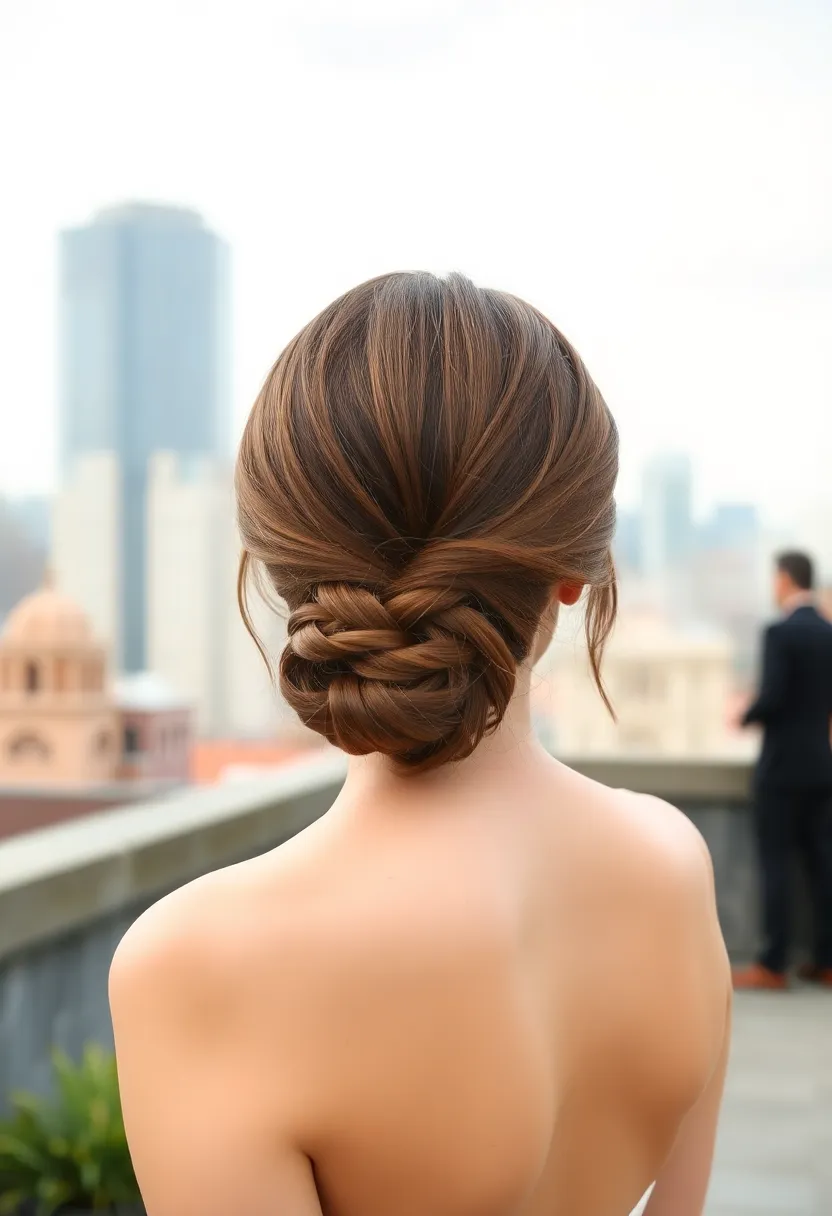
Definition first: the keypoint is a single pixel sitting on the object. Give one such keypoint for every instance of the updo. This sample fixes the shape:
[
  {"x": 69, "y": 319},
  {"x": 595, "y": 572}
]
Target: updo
[{"x": 425, "y": 461}]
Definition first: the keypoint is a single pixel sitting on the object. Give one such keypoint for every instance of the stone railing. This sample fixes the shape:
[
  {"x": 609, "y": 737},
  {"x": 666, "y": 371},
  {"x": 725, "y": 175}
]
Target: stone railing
[{"x": 68, "y": 893}]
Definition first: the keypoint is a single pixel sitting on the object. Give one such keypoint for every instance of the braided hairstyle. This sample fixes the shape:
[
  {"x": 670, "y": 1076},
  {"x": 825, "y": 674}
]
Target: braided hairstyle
[{"x": 425, "y": 462}]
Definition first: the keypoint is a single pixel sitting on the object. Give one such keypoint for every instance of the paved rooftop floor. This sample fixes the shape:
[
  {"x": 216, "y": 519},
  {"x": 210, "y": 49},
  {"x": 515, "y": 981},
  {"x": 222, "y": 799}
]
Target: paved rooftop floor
[{"x": 775, "y": 1144}]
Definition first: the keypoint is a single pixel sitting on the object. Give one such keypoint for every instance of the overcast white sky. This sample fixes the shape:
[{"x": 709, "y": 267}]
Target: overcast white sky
[{"x": 656, "y": 175}]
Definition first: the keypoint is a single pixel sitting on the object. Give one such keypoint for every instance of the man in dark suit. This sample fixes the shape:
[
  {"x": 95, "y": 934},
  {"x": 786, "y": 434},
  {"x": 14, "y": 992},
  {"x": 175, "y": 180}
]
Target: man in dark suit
[{"x": 793, "y": 780}]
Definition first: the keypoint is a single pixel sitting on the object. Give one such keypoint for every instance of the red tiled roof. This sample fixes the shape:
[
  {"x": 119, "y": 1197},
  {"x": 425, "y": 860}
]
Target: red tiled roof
[{"x": 210, "y": 757}]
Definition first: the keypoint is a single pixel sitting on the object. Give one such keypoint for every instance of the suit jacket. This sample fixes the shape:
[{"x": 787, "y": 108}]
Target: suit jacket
[{"x": 794, "y": 704}]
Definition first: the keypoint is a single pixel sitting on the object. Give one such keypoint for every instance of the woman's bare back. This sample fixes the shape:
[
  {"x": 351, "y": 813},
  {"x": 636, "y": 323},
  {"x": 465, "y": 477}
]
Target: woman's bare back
[
  {"x": 499, "y": 997},
  {"x": 481, "y": 985}
]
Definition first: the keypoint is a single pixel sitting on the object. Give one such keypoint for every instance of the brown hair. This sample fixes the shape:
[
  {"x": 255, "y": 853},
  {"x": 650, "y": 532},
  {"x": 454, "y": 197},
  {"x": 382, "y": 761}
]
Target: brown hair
[
  {"x": 425, "y": 461},
  {"x": 799, "y": 567}
]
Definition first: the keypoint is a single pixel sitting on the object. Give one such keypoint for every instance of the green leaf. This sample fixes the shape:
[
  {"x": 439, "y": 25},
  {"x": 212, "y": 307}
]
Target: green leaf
[
  {"x": 14, "y": 1149},
  {"x": 10, "y": 1201},
  {"x": 71, "y": 1149}
]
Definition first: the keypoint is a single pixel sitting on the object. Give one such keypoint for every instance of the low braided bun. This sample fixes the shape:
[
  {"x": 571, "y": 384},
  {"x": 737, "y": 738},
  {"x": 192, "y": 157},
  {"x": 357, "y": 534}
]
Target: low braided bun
[
  {"x": 425, "y": 462},
  {"x": 418, "y": 675}
]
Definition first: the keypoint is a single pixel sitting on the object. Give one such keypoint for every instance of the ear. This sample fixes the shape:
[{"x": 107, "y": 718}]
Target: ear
[{"x": 568, "y": 593}]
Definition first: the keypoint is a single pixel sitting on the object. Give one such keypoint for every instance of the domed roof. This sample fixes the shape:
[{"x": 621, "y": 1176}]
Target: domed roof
[{"x": 48, "y": 618}]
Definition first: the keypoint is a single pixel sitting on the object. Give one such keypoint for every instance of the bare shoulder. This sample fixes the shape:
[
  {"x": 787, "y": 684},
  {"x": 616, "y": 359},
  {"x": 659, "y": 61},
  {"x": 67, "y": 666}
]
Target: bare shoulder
[
  {"x": 673, "y": 876},
  {"x": 172, "y": 983},
  {"x": 209, "y": 988},
  {"x": 673, "y": 897},
  {"x": 661, "y": 954},
  {"x": 656, "y": 845},
  {"x": 205, "y": 936},
  {"x": 211, "y": 1108},
  {"x": 238, "y": 947},
  {"x": 655, "y": 869},
  {"x": 220, "y": 920},
  {"x": 666, "y": 832},
  {"x": 171, "y": 943}
]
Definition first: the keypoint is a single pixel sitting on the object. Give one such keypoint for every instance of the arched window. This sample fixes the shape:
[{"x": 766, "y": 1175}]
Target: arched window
[
  {"x": 28, "y": 746},
  {"x": 131, "y": 740},
  {"x": 103, "y": 742},
  {"x": 32, "y": 677}
]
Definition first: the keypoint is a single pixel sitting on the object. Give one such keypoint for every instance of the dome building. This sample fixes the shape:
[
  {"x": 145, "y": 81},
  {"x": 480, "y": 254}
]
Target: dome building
[
  {"x": 59, "y": 725},
  {"x": 72, "y": 741}
]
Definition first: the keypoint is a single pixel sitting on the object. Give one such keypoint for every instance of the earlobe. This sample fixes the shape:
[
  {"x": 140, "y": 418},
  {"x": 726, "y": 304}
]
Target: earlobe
[{"x": 569, "y": 593}]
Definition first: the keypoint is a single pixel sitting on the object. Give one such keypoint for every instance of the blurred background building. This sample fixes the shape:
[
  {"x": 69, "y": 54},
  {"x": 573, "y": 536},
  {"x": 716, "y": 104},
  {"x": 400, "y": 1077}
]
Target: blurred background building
[
  {"x": 70, "y": 741},
  {"x": 143, "y": 533},
  {"x": 58, "y": 718},
  {"x": 86, "y": 554},
  {"x": 195, "y": 636},
  {"x": 667, "y": 530},
  {"x": 145, "y": 312},
  {"x": 670, "y": 686}
]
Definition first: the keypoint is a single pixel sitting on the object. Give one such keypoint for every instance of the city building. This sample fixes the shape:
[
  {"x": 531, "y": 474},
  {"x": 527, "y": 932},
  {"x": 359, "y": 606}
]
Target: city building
[
  {"x": 731, "y": 526},
  {"x": 667, "y": 528},
  {"x": 71, "y": 744},
  {"x": 22, "y": 559},
  {"x": 627, "y": 547},
  {"x": 86, "y": 539},
  {"x": 190, "y": 581},
  {"x": 145, "y": 366},
  {"x": 671, "y": 689},
  {"x": 156, "y": 730},
  {"x": 34, "y": 515},
  {"x": 730, "y": 580},
  {"x": 667, "y": 511},
  {"x": 195, "y": 640},
  {"x": 196, "y": 637},
  {"x": 58, "y": 721}
]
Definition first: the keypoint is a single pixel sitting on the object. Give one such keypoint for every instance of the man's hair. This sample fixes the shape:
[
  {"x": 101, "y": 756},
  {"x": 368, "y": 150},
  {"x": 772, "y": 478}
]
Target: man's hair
[{"x": 799, "y": 567}]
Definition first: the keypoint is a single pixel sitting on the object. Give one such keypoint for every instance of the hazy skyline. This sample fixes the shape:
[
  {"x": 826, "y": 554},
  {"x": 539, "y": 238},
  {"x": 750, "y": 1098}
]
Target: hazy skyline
[{"x": 659, "y": 184}]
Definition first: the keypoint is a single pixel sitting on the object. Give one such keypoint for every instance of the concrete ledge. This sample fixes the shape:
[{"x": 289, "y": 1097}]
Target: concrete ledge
[
  {"x": 722, "y": 782},
  {"x": 55, "y": 880},
  {"x": 69, "y": 893}
]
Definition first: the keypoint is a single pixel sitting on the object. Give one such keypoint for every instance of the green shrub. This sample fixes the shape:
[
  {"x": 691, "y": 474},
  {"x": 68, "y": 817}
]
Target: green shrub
[{"x": 69, "y": 1153}]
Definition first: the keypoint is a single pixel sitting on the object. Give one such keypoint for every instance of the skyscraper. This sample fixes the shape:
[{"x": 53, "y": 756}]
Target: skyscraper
[
  {"x": 196, "y": 638},
  {"x": 667, "y": 515},
  {"x": 145, "y": 335},
  {"x": 628, "y": 543},
  {"x": 86, "y": 542},
  {"x": 733, "y": 525}
]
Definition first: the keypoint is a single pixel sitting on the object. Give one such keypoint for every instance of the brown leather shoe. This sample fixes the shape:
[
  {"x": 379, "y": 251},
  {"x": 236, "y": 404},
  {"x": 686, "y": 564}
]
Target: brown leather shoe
[
  {"x": 760, "y": 978},
  {"x": 813, "y": 974}
]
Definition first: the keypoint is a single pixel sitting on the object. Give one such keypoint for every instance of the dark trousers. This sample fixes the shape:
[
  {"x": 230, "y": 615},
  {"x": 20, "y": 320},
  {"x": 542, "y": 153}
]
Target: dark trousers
[{"x": 789, "y": 823}]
